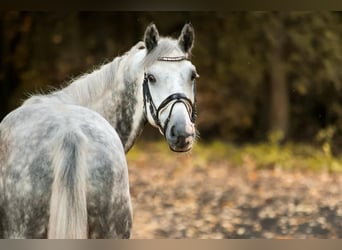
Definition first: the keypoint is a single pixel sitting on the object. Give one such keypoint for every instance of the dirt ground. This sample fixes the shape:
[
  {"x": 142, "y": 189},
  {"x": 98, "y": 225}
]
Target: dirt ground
[{"x": 178, "y": 196}]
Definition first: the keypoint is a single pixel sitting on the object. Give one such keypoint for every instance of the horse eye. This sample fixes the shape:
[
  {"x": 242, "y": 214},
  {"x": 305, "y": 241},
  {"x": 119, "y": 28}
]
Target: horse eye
[
  {"x": 194, "y": 75},
  {"x": 151, "y": 78}
]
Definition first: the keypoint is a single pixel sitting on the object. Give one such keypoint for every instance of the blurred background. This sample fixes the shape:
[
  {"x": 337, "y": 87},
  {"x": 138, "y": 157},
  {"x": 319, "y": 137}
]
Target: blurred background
[
  {"x": 269, "y": 98},
  {"x": 260, "y": 71}
]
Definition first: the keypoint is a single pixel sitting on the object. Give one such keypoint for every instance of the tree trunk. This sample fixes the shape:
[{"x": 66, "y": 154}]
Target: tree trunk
[{"x": 279, "y": 99}]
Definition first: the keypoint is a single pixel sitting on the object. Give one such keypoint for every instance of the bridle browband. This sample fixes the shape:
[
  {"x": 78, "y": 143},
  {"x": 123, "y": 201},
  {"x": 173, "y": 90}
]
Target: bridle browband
[{"x": 177, "y": 97}]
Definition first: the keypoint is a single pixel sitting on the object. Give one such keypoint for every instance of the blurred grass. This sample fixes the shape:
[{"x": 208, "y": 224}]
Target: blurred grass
[{"x": 268, "y": 155}]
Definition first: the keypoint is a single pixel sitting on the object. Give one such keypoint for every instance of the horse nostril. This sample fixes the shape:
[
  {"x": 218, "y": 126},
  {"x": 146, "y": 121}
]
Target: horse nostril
[{"x": 172, "y": 132}]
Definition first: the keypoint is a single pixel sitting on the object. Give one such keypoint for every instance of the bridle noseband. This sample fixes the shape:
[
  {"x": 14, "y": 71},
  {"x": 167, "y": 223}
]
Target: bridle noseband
[{"x": 176, "y": 97}]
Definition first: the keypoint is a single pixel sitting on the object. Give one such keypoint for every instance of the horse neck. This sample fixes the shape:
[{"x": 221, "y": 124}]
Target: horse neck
[{"x": 115, "y": 92}]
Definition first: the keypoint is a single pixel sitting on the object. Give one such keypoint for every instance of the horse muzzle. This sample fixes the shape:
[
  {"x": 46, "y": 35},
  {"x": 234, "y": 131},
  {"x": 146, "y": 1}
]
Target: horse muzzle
[{"x": 180, "y": 137}]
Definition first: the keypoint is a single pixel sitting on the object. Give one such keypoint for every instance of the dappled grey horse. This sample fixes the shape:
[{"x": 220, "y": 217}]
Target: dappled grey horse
[{"x": 63, "y": 170}]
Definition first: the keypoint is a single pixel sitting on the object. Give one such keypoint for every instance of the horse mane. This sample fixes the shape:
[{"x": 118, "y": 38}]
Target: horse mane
[
  {"x": 87, "y": 86},
  {"x": 100, "y": 79},
  {"x": 93, "y": 85}
]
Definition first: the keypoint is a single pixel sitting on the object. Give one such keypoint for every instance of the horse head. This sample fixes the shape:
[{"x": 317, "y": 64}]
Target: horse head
[{"x": 170, "y": 86}]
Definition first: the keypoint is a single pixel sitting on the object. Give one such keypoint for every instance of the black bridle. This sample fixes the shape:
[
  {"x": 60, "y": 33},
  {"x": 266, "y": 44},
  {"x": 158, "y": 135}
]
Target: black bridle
[{"x": 176, "y": 97}]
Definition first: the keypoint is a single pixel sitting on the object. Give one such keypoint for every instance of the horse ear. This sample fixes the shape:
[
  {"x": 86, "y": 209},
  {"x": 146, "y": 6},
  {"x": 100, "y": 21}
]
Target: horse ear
[
  {"x": 151, "y": 37},
  {"x": 187, "y": 37}
]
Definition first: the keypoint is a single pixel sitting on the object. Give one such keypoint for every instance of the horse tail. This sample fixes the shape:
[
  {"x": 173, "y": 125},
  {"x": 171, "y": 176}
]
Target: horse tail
[{"x": 68, "y": 206}]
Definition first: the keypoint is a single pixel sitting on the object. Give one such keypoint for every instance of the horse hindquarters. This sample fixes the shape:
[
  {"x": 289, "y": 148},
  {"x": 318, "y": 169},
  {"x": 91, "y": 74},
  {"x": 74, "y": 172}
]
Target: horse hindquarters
[
  {"x": 90, "y": 192},
  {"x": 62, "y": 175}
]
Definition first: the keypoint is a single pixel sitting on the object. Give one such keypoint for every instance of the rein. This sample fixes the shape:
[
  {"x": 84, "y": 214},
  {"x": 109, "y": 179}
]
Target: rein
[{"x": 176, "y": 97}]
